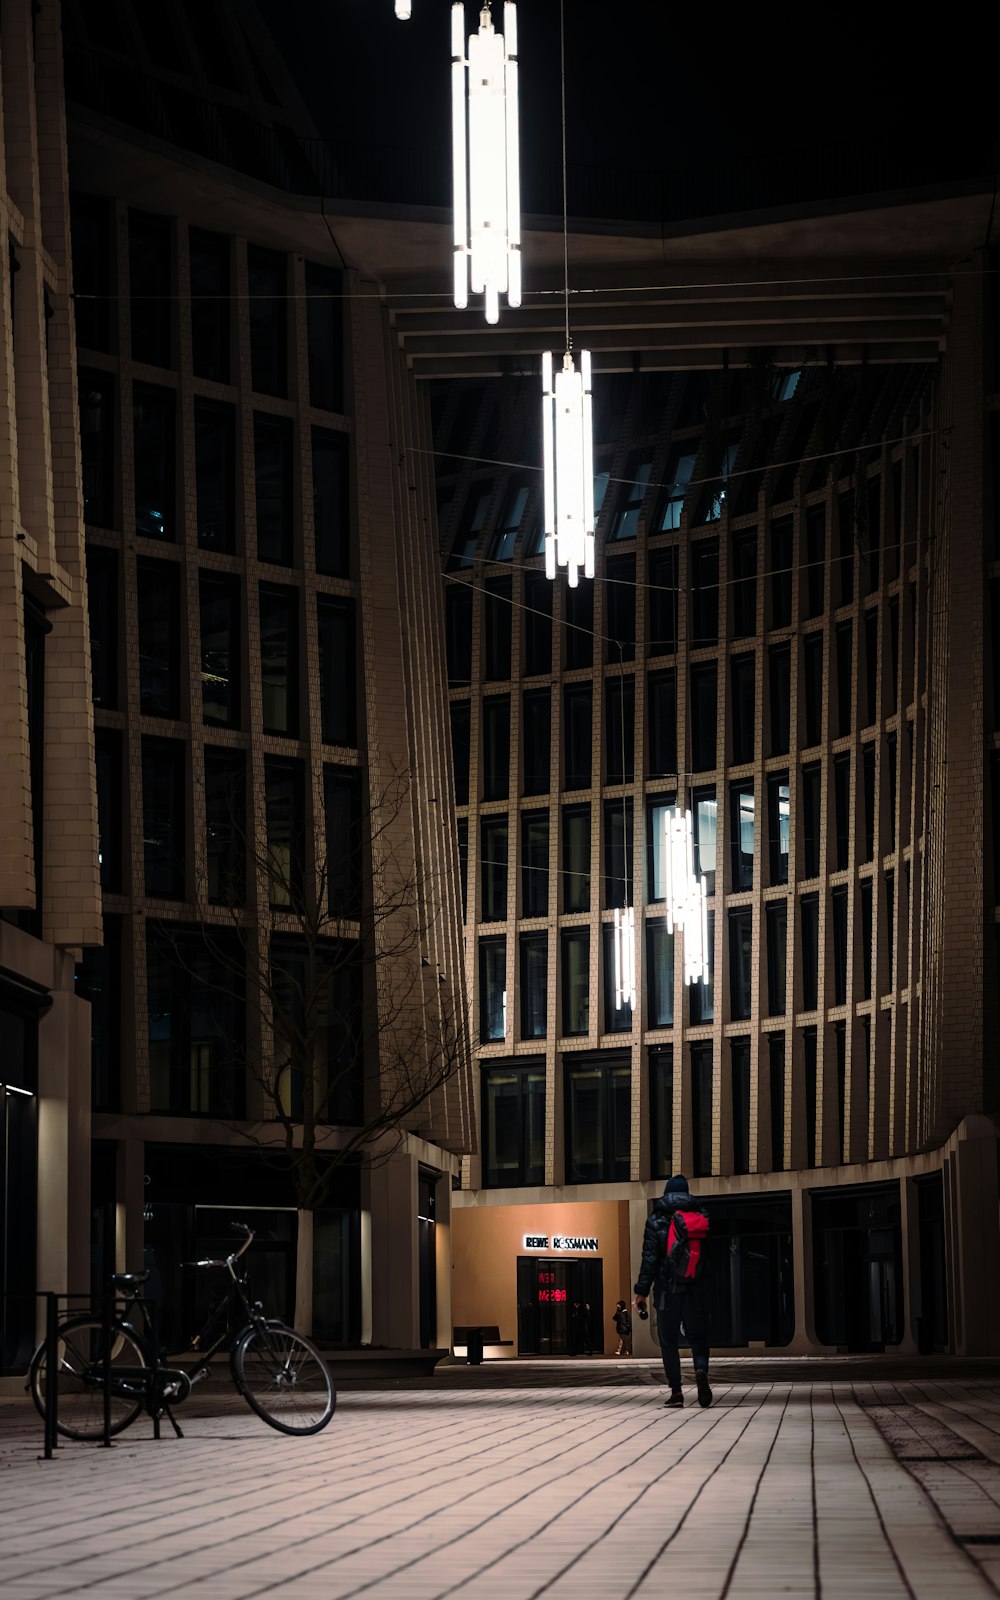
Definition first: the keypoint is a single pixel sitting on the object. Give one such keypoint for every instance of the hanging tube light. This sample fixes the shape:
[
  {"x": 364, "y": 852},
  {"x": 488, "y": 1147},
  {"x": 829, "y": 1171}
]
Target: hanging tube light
[
  {"x": 568, "y": 453},
  {"x": 486, "y": 160},
  {"x": 686, "y": 894},
  {"x": 403, "y": 10},
  {"x": 624, "y": 957}
]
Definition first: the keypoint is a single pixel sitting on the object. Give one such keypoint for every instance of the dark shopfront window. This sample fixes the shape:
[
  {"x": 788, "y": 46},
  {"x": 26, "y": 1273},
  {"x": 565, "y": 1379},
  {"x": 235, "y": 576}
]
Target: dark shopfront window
[
  {"x": 195, "y": 1007},
  {"x": 857, "y": 1265},
  {"x": 19, "y": 1007},
  {"x": 513, "y": 1102},
  {"x": 598, "y": 1118},
  {"x": 750, "y": 1278}
]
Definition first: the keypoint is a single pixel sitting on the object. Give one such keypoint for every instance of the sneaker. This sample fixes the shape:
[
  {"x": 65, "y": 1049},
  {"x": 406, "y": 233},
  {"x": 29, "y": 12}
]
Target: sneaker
[
  {"x": 674, "y": 1400},
  {"x": 704, "y": 1392}
]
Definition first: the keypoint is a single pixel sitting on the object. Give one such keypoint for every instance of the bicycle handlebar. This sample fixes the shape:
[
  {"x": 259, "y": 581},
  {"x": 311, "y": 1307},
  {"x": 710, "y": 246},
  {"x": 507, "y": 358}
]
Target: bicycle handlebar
[{"x": 237, "y": 1227}]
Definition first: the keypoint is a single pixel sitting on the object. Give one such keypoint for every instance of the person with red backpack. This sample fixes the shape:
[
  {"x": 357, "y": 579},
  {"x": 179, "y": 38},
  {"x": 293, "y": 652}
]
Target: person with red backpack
[{"x": 673, "y": 1266}]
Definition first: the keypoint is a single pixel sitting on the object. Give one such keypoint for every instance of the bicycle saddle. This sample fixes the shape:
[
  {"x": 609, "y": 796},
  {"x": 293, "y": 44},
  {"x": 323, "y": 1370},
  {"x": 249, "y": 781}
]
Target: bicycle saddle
[{"x": 128, "y": 1280}]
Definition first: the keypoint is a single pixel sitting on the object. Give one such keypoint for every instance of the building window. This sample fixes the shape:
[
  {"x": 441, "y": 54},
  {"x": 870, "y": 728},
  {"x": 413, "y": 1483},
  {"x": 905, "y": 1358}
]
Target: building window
[
  {"x": 740, "y": 1086},
  {"x": 868, "y": 771},
  {"x": 497, "y": 613},
  {"x": 534, "y": 863},
  {"x": 211, "y": 307},
  {"x": 325, "y": 325},
  {"x": 845, "y": 676},
  {"x": 93, "y": 276},
  {"x": 151, "y": 287},
  {"x": 98, "y": 980},
  {"x": 776, "y": 913},
  {"x": 267, "y": 283},
  {"x": 163, "y": 807},
  {"x": 284, "y": 805},
  {"x": 701, "y": 1106},
  {"x": 781, "y": 572},
  {"x": 865, "y": 892},
  {"x": 108, "y": 756},
  {"x": 893, "y": 652},
  {"x": 619, "y": 609},
  {"x": 871, "y": 667},
  {"x": 215, "y": 474},
  {"x": 536, "y": 624},
  {"x": 846, "y": 534},
  {"x": 273, "y": 450},
  {"x": 470, "y": 527},
  {"x": 779, "y": 663},
  {"x": 574, "y": 946},
  {"x": 534, "y": 978},
  {"x": 656, "y": 856},
  {"x": 337, "y": 669},
  {"x": 331, "y": 503},
  {"x": 344, "y": 841},
  {"x": 153, "y": 439},
  {"x": 576, "y": 858},
  {"x": 194, "y": 994},
  {"x": 743, "y": 583},
  {"x": 678, "y": 477},
  {"x": 743, "y": 677},
  {"x": 838, "y": 906},
  {"x": 537, "y": 735},
  {"x": 625, "y": 521},
  {"x": 98, "y": 439},
  {"x": 809, "y": 1066},
  {"x": 842, "y": 807},
  {"x": 704, "y": 592},
  {"x": 619, "y": 729},
  {"x": 810, "y": 809},
  {"x": 661, "y": 602},
  {"x": 513, "y": 1097},
  {"x": 508, "y": 524},
  {"x": 661, "y": 1110},
  {"x": 458, "y": 634},
  {"x": 776, "y": 1066},
  {"x": 661, "y": 713},
  {"x": 493, "y": 833},
  {"x": 220, "y": 609},
  {"x": 891, "y": 770},
  {"x": 158, "y": 603},
  {"x": 701, "y": 1005},
  {"x": 225, "y": 826},
  {"x": 619, "y": 879},
  {"x": 461, "y": 738},
  {"x": 812, "y": 673},
  {"x": 492, "y": 989},
  {"x": 279, "y": 659},
  {"x": 705, "y": 836},
  {"x": 779, "y": 828},
  {"x": 703, "y": 714},
  {"x": 815, "y": 561},
  {"x": 742, "y": 815},
  {"x": 578, "y": 701},
  {"x": 598, "y": 1119},
  {"x": 102, "y": 606},
  {"x": 617, "y": 1019},
  {"x": 462, "y": 829},
  {"x": 809, "y": 935},
  {"x": 890, "y": 926},
  {"x": 741, "y": 964},
  {"x": 660, "y": 975},
  {"x": 578, "y": 627},
  {"x": 496, "y": 747}
]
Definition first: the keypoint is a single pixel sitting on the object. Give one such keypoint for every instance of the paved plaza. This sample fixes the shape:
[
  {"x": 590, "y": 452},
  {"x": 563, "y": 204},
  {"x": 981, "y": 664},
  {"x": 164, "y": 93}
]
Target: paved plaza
[{"x": 833, "y": 1489}]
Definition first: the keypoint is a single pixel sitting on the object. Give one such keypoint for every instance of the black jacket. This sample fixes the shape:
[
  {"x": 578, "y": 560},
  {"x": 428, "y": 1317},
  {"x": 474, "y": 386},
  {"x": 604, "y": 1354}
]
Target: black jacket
[{"x": 653, "y": 1273}]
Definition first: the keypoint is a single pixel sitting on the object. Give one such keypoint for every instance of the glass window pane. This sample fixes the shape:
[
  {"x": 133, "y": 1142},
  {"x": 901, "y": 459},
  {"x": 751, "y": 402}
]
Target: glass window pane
[
  {"x": 215, "y": 482},
  {"x": 493, "y": 863},
  {"x": 158, "y": 603},
  {"x": 220, "y": 648},
  {"x": 576, "y": 858},
  {"x": 153, "y": 440},
  {"x": 273, "y": 470},
  {"x": 331, "y": 502},
  {"x": 534, "y": 863},
  {"x": 337, "y": 669},
  {"x": 267, "y": 283},
  {"x": 279, "y": 659},
  {"x": 492, "y": 989},
  {"x": 534, "y": 985},
  {"x": 575, "y": 949},
  {"x": 660, "y": 975},
  {"x": 211, "y": 307},
  {"x": 325, "y": 324}
]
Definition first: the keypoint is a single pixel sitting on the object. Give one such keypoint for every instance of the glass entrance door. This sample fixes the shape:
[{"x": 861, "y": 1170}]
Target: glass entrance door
[{"x": 552, "y": 1300}]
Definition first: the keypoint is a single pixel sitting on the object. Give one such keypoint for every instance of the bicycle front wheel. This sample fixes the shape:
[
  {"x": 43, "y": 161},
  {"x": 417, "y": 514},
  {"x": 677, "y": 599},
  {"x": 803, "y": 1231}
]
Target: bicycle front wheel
[
  {"x": 284, "y": 1379},
  {"x": 80, "y": 1378}
]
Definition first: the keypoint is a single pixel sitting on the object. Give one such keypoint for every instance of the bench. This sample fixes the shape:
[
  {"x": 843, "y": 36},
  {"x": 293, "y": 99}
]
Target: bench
[{"x": 489, "y": 1331}]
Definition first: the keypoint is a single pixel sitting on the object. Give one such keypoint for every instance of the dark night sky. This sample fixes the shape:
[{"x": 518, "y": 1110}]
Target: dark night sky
[{"x": 651, "y": 84}]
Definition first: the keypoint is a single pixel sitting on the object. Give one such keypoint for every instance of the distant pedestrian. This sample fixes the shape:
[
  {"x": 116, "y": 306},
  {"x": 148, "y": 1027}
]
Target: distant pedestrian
[
  {"x": 622, "y": 1320},
  {"x": 673, "y": 1267},
  {"x": 579, "y": 1323}
]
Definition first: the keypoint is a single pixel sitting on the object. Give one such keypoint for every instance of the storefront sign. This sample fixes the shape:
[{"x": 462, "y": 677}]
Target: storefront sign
[{"x": 558, "y": 1241}]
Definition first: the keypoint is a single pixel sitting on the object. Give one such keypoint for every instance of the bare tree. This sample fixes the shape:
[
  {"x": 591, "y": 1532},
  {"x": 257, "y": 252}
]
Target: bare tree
[{"x": 353, "y": 1029}]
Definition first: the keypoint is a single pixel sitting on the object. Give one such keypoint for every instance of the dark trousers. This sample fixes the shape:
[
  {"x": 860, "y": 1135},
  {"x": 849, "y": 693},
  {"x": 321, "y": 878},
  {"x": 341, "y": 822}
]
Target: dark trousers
[{"x": 689, "y": 1308}]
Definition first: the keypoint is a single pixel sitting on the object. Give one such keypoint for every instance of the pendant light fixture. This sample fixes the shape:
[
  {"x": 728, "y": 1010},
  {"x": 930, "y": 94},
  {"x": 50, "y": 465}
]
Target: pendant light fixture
[
  {"x": 486, "y": 160},
  {"x": 403, "y": 10},
  {"x": 624, "y": 934},
  {"x": 568, "y": 425},
  {"x": 686, "y": 894}
]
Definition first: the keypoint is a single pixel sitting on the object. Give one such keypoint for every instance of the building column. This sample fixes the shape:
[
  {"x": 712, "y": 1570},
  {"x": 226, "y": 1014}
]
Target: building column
[
  {"x": 804, "y": 1340},
  {"x": 442, "y": 1247},
  {"x": 395, "y": 1277},
  {"x": 63, "y": 1248},
  {"x": 973, "y": 1238},
  {"x": 131, "y": 1200},
  {"x": 909, "y": 1203},
  {"x": 644, "y": 1340}
]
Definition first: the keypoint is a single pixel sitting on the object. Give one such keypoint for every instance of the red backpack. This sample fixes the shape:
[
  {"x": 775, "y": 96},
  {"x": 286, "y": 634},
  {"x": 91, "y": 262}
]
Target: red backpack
[{"x": 685, "y": 1240}]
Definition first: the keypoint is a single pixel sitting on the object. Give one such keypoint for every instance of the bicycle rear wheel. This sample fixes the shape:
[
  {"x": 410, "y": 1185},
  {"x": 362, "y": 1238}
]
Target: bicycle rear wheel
[
  {"x": 284, "y": 1379},
  {"x": 80, "y": 1378}
]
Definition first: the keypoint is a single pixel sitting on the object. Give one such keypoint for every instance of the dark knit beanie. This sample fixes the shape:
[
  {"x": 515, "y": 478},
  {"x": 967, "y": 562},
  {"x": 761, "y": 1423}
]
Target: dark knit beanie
[{"x": 678, "y": 1184}]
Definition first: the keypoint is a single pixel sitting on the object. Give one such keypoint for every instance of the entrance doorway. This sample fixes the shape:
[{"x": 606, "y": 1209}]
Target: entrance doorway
[{"x": 547, "y": 1291}]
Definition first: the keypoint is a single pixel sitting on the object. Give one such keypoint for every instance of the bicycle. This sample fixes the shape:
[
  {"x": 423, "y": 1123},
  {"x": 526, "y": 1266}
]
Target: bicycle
[{"x": 278, "y": 1372}]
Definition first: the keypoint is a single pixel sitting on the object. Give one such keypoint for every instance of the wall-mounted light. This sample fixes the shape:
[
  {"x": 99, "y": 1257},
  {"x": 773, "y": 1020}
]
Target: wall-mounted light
[
  {"x": 486, "y": 160},
  {"x": 686, "y": 894},
  {"x": 568, "y": 454}
]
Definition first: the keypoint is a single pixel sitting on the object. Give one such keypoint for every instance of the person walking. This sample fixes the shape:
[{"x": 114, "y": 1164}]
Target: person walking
[
  {"x": 673, "y": 1268},
  {"x": 580, "y": 1328},
  {"x": 622, "y": 1320}
]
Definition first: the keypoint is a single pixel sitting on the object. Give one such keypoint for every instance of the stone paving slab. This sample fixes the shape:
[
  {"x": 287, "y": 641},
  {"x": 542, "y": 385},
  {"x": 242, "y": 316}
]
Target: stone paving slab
[{"x": 840, "y": 1490}]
